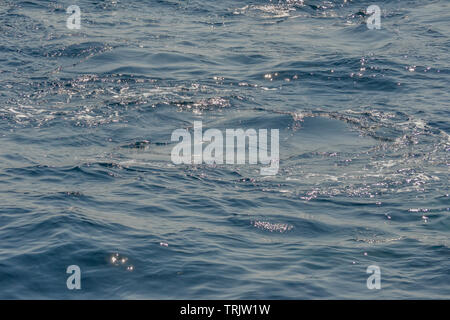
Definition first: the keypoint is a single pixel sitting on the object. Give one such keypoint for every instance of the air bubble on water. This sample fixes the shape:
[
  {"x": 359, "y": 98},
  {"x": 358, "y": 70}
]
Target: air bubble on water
[
  {"x": 118, "y": 260},
  {"x": 272, "y": 227},
  {"x": 114, "y": 258}
]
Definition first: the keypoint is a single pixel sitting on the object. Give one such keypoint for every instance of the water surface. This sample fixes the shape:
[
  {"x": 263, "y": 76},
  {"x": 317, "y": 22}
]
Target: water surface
[{"x": 86, "y": 118}]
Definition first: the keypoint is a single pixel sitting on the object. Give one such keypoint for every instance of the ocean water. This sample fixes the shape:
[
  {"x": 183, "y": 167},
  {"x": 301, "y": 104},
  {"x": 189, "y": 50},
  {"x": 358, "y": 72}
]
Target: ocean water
[{"x": 86, "y": 178}]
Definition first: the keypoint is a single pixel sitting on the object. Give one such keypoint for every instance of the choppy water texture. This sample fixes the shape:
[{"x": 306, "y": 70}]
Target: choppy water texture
[{"x": 86, "y": 177}]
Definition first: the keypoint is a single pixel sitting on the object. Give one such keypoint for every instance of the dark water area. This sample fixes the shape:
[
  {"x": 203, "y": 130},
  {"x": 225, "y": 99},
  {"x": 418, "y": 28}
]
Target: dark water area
[{"x": 86, "y": 177}]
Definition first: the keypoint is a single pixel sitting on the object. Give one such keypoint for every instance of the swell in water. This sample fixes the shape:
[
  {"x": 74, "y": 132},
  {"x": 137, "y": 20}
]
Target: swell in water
[{"x": 85, "y": 171}]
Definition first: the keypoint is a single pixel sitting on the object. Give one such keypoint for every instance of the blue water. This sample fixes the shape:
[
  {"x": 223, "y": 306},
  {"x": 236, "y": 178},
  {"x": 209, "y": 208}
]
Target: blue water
[{"x": 86, "y": 178}]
